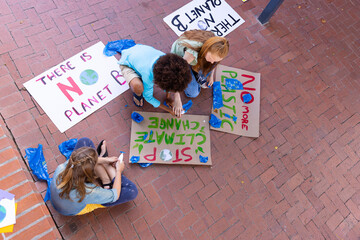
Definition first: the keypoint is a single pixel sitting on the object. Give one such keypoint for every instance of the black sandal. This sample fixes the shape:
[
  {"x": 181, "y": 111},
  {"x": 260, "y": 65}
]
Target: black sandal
[
  {"x": 98, "y": 149},
  {"x": 110, "y": 185},
  {"x": 139, "y": 98}
]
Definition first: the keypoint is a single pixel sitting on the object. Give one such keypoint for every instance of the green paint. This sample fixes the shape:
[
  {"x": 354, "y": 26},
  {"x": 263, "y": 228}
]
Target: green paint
[
  {"x": 140, "y": 137},
  {"x": 192, "y": 135},
  {"x": 180, "y": 142},
  {"x": 169, "y": 139},
  {"x": 197, "y": 124},
  {"x": 160, "y": 137},
  {"x": 203, "y": 136},
  {"x": 154, "y": 122}
]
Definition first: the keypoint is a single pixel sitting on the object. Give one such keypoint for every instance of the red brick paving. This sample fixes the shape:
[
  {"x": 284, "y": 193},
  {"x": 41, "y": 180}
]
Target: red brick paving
[{"x": 298, "y": 180}]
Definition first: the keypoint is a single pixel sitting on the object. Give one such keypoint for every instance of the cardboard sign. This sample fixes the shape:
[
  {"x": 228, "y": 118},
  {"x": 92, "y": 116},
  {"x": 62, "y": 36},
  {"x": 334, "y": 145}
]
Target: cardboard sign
[
  {"x": 7, "y": 209},
  {"x": 211, "y": 15},
  {"x": 161, "y": 138},
  {"x": 77, "y": 87},
  {"x": 237, "y": 103}
]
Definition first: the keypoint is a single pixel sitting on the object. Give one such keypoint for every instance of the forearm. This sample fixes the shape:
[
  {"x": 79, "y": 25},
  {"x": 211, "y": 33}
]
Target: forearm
[{"x": 163, "y": 107}]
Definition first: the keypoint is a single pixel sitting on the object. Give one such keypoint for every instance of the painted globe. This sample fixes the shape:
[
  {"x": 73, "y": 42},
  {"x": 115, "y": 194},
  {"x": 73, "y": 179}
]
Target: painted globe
[
  {"x": 166, "y": 155},
  {"x": 2, "y": 213},
  {"x": 89, "y": 77}
]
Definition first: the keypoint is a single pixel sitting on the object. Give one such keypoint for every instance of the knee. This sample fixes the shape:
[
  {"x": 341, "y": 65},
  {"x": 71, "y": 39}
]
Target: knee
[
  {"x": 133, "y": 193},
  {"x": 137, "y": 86},
  {"x": 192, "y": 94}
]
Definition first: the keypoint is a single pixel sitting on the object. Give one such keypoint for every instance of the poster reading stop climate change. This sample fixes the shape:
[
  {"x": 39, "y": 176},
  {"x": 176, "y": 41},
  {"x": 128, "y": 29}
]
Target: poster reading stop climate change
[
  {"x": 77, "y": 87},
  {"x": 236, "y": 102},
  {"x": 161, "y": 138},
  {"x": 211, "y": 15}
]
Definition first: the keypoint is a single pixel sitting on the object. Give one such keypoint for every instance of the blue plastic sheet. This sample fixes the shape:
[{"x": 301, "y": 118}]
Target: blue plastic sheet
[
  {"x": 37, "y": 163},
  {"x": 67, "y": 147},
  {"x": 217, "y": 96},
  {"x": 134, "y": 159},
  {"x": 187, "y": 106},
  {"x": 114, "y": 47},
  {"x": 145, "y": 164},
  {"x": 137, "y": 117},
  {"x": 203, "y": 159},
  {"x": 233, "y": 84},
  {"x": 215, "y": 121}
]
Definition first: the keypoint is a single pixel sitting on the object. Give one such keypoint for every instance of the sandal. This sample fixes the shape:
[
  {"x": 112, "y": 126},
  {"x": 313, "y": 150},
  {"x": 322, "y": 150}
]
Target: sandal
[
  {"x": 98, "y": 149},
  {"x": 108, "y": 185},
  {"x": 139, "y": 98}
]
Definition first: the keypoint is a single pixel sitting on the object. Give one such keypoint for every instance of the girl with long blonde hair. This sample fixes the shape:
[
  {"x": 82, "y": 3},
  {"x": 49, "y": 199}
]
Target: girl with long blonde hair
[
  {"x": 90, "y": 180},
  {"x": 203, "y": 51}
]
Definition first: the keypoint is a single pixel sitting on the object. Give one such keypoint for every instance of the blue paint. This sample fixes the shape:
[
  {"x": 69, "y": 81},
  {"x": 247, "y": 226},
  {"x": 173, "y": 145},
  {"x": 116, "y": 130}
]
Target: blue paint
[
  {"x": 151, "y": 132},
  {"x": 145, "y": 136},
  {"x": 122, "y": 152},
  {"x": 126, "y": 105},
  {"x": 137, "y": 117},
  {"x": 187, "y": 106},
  {"x": 227, "y": 115},
  {"x": 145, "y": 164},
  {"x": 166, "y": 104},
  {"x": 233, "y": 84},
  {"x": 247, "y": 98},
  {"x": 134, "y": 159},
  {"x": 215, "y": 121},
  {"x": 234, "y": 118},
  {"x": 203, "y": 159},
  {"x": 217, "y": 96}
]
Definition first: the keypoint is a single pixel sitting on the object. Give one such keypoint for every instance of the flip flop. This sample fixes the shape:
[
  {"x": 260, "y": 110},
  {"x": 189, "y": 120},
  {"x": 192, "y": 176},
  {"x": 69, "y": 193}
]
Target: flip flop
[
  {"x": 139, "y": 98},
  {"x": 98, "y": 149}
]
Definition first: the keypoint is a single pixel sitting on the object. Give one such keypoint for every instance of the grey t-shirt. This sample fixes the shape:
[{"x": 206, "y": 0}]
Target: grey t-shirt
[{"x": 69, "y": 207}]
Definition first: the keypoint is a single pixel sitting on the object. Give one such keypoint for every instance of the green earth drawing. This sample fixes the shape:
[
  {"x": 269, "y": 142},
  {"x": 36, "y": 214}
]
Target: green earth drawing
[
  {"x": 89, "y": 77},
  {"x": 2, "y": 213}
]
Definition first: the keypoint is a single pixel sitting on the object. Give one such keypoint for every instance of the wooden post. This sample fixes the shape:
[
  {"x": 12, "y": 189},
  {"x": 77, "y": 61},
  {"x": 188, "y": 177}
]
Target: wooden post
[{"x": 269, "y": 10}]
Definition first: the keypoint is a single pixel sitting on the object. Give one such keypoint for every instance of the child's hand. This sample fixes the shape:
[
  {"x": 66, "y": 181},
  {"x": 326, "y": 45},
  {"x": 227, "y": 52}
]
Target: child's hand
[
  {"x": 120, "y": 165},
  {"x": 210, "y": 80}
]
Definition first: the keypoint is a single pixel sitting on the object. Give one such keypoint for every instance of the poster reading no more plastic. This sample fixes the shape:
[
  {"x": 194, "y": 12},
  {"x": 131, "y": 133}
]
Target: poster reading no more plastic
[
  {"x": 77, "y": 87},
  {"x": 236, "y": 101},
  {"x": 211, "y": 15},
  {"x": 162, "y": 138}
]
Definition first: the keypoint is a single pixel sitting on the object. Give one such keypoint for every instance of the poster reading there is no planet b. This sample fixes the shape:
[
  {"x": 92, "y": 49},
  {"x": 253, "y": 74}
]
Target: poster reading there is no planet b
[
  {"x": 211, "y": 15},
  {"x": 236, "y": 102},
  {"x": 162, "y": 138},
  {"x": 77, "y": 87}
]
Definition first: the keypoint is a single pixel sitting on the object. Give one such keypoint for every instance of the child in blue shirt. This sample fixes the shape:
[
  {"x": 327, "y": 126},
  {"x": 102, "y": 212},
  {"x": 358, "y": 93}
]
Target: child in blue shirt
[{"x": 143, "y": 66}]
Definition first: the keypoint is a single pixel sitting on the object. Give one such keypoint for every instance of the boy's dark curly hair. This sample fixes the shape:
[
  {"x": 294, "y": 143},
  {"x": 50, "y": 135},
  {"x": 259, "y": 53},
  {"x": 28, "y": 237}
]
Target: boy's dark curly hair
[{"x": 172, "y": 73}]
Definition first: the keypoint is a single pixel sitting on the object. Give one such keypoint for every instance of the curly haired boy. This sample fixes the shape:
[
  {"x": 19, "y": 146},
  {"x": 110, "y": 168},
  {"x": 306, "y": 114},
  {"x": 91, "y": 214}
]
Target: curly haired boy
[{"x": 142, "y": 66}]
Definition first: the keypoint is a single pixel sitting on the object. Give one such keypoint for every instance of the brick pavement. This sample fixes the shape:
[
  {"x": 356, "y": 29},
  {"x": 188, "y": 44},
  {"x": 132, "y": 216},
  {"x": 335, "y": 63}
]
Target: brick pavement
[{"x": 298, "y": 180}]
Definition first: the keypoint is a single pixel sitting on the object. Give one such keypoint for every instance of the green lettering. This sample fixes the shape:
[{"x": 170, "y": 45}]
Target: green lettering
[
  {"x": 226, "y": 121},
  {"x": 177, "y": 123},
  {"x": 231, "y": 72},
  {"x": 224, "y": 89},
  {"x": 154, "y": 123},
  {"x": 170, "y": 123},
  {"x": 162, "y": 124},
  {"x": 141, "y": 136},
  {"x": 203, "y": 136},
  {"x": 169, "y": 139},
  {"x": 197, "y": 124},
  {"x": 160, "y": 137},
  {"x": 180, "y": 142},
  {"x": 186, "y": 125},
  {"x": 229, "y": 99},
  {"x": 192, "y": 135}
]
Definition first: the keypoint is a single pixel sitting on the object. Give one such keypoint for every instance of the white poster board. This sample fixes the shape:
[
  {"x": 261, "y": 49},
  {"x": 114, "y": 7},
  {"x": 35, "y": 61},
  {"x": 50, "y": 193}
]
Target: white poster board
[
  {"x": 77, "y": 87},
  {"x": 211, "y": 15},
  {"x": 238, "y": 101}
]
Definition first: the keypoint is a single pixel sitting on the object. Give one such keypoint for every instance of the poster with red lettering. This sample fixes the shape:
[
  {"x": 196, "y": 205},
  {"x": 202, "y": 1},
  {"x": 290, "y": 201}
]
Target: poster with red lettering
[
  {"x": 236, "y": 102},
  {"x": 211, "y": 15},
  {"x": 162, "y": 138},
  {"x": 77, "y": 87}
]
